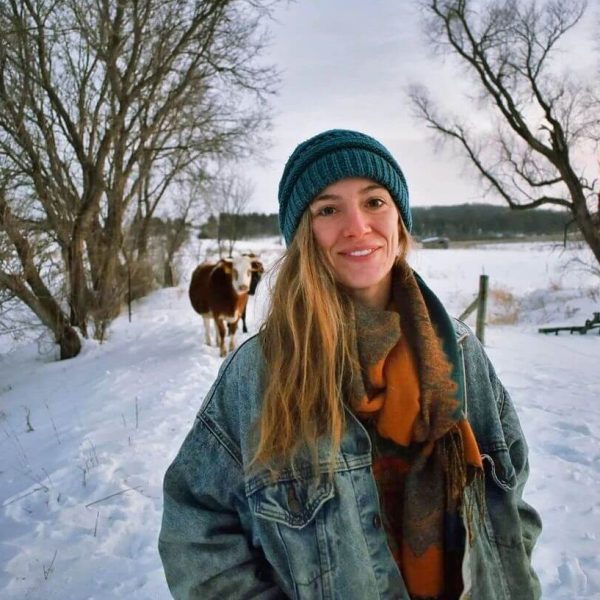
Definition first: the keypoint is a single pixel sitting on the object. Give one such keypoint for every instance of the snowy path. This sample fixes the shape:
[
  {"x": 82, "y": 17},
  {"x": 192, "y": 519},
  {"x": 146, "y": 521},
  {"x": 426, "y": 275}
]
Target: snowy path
[
  {"x": 119, "y": 413},
  {"x": 81, "y": 498}
]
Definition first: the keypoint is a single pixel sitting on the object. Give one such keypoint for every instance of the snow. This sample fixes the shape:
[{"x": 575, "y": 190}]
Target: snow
[{"x": 81, "y": 494}]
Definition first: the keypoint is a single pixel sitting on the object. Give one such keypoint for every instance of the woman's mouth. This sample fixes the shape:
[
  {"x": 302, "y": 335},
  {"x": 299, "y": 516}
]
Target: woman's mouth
[{"x": 358, "y": 252}]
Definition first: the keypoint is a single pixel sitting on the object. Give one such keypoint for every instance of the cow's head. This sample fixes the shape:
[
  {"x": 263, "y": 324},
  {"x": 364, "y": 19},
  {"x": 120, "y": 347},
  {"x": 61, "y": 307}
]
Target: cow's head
[
  {"x": 257, "y": 271},
  {"x": 240, "y": 268}
]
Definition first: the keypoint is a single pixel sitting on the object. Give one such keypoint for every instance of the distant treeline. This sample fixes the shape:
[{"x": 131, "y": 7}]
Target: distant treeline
[
  {"x": 457, "y": 222},
  {"x": 480, "y": 221},
  {"x": 242, "y": 226}
]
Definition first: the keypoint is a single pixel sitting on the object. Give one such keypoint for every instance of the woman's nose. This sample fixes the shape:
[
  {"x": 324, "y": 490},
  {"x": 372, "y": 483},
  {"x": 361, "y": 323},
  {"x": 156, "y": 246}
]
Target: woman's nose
[{"x": 356, "y": 223}]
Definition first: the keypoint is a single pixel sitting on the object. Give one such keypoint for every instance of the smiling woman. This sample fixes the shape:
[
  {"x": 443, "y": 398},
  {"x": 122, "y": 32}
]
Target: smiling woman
[{"x": 361, "y": 446}]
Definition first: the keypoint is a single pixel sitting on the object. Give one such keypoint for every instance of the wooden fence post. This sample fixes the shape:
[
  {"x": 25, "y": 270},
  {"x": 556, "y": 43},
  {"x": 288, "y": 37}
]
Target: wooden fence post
[{"x": 481, "y": 308}]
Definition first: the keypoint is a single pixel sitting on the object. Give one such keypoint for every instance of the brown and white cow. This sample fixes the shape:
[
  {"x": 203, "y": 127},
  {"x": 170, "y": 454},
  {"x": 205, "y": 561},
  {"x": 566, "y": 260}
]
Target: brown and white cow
[{"x": 220, "y": 291}]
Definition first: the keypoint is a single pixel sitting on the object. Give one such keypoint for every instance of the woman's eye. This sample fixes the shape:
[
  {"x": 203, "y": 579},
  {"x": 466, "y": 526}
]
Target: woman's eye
[
  {"x": 326, "y": 211},
  {"x": 375, "y": 202}
]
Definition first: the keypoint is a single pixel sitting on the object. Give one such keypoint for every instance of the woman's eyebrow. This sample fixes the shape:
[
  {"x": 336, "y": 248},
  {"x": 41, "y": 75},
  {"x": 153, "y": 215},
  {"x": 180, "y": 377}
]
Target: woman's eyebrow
[
  {"x": 371, "y": 187},
  {"x": 326, "y": 197},
  {"x": 368, "y": 188}
]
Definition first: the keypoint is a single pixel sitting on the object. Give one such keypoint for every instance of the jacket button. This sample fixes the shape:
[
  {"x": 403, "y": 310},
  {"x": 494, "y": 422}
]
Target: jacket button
[{"x": 377, "y": 522}]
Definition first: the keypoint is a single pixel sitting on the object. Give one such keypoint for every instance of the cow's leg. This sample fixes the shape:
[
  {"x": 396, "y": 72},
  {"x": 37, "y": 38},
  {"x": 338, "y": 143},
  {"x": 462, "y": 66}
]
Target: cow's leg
[
  {"x": 206, "y": 319},
  {"x": 244, "y": 328},
  {"x": 232, "y": 326},
  {"x": 221, "y": 334}
]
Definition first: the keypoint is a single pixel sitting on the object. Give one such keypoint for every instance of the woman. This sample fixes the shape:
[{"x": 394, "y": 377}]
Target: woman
[{"x": 361, "y": 446}]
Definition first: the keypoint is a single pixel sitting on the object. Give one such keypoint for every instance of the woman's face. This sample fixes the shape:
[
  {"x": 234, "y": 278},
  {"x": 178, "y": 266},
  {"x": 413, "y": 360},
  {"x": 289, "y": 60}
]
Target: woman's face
[{"x": 356, "y": 224}]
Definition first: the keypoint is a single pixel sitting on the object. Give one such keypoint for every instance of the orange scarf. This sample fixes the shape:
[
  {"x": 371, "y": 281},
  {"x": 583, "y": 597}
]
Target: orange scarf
[{"x": 427, "y": 449}]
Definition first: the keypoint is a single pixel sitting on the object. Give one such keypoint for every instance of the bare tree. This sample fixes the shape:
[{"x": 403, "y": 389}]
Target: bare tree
[
  {"x": 102, "y": 104},
  {"x": 227, "y": 200},
  {"x": 185, "y": 214},
  {"x": 547, "y": 124}
]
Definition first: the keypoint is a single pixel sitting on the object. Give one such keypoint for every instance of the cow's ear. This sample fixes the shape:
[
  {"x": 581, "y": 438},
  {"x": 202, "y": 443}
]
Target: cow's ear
[
  {"x": 257, "y": 266},
  {"x": 227, "y": 267}
]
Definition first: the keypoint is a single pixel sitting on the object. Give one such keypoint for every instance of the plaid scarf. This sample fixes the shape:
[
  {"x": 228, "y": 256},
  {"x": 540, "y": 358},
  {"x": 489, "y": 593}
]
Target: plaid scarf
[{"x": 425, "y": 451}]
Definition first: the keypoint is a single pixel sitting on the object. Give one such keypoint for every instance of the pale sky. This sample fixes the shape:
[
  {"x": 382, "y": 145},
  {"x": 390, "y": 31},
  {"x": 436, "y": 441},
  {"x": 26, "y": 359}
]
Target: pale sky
[{"x": 347, "y": 64}]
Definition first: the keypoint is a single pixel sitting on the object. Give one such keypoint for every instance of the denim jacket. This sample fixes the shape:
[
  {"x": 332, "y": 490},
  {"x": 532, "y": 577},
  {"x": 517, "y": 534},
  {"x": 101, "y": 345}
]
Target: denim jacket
[{"x": 229, "y": 533}]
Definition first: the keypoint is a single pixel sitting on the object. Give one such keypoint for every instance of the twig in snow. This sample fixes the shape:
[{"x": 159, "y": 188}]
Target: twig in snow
[
  {"x": 96, "y": 525},
  {"x": 84, "y": 473},
  {"x": 16, "y": 437},
  {"x": 136, "y": 488},
  {"x": 44, "y": 488},
  {"x": 53, "y": 423},
  {"x": 50, "y": 569},
  {"x": 28, "y": 419}
]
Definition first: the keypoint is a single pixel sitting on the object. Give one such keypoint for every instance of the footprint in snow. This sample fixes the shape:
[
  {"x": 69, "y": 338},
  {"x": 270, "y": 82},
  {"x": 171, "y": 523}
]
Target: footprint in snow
[
  {"x": 582, "y": 429},
  {"x": 569, "y": 454},
  {"x": 572, "y": 576}
]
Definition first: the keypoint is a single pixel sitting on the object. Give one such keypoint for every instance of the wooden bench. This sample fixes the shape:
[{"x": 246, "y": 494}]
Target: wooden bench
[{"x": 593, "y": 323}]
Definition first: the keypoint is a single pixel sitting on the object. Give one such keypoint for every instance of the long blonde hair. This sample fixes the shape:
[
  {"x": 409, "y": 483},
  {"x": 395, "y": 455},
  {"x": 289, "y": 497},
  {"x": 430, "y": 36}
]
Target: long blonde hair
[{"x": 307, "y": 341}]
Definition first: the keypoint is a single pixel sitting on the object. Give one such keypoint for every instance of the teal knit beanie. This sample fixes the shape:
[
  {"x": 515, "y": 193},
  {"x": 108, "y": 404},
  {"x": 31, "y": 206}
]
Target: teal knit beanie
[{"x": 329, "y": 157}]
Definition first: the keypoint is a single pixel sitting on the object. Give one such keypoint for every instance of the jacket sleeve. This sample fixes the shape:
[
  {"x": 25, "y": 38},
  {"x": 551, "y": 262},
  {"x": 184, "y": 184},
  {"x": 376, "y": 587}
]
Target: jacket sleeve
[{"x": 204, "y": 550}]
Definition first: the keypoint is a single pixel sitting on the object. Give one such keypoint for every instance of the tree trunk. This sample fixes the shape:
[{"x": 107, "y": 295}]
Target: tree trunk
[
  {"x": 587, "y": 222},
  {"x": 48, "y": 312},
  {"x": 168, "y": 278},
  {"x": 69, "y": 343},
  {"x": 31, "y": 289},
  {"x": 141, "y": 238},
  {"x": 589, "y": 225},
  {"x": 112, "y": 278},
  {"x": 95, "y": 246},
  {"x": 111, "y": 290},
  {"x": 77, "y": 286}
]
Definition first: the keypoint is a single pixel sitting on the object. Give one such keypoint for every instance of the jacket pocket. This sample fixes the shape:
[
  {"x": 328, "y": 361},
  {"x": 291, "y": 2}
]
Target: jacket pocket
[
  {"x": 294, "y": 513},
  {"x": 500, "y": 469},
  {"x": 502, "y": 516},
  {"x": 504, "y": 526}
]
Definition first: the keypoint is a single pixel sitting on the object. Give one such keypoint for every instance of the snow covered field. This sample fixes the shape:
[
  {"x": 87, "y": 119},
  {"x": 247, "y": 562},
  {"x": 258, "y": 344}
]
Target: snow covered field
[{"x": 84, "y": 443}]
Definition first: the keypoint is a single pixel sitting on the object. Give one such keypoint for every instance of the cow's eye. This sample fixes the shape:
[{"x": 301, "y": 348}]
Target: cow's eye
[{"x": 235, "y": 275}]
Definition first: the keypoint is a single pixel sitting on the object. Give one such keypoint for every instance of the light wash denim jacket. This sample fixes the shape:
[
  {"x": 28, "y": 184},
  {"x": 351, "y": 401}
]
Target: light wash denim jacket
[{"x": 228, "y": 534}]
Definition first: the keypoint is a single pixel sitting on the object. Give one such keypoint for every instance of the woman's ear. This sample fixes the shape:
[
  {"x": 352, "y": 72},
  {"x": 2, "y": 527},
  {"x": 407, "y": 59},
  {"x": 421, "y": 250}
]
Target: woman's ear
[
  {"x": 404, "y": 239},
  {"x": 401, "y": 237}
]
